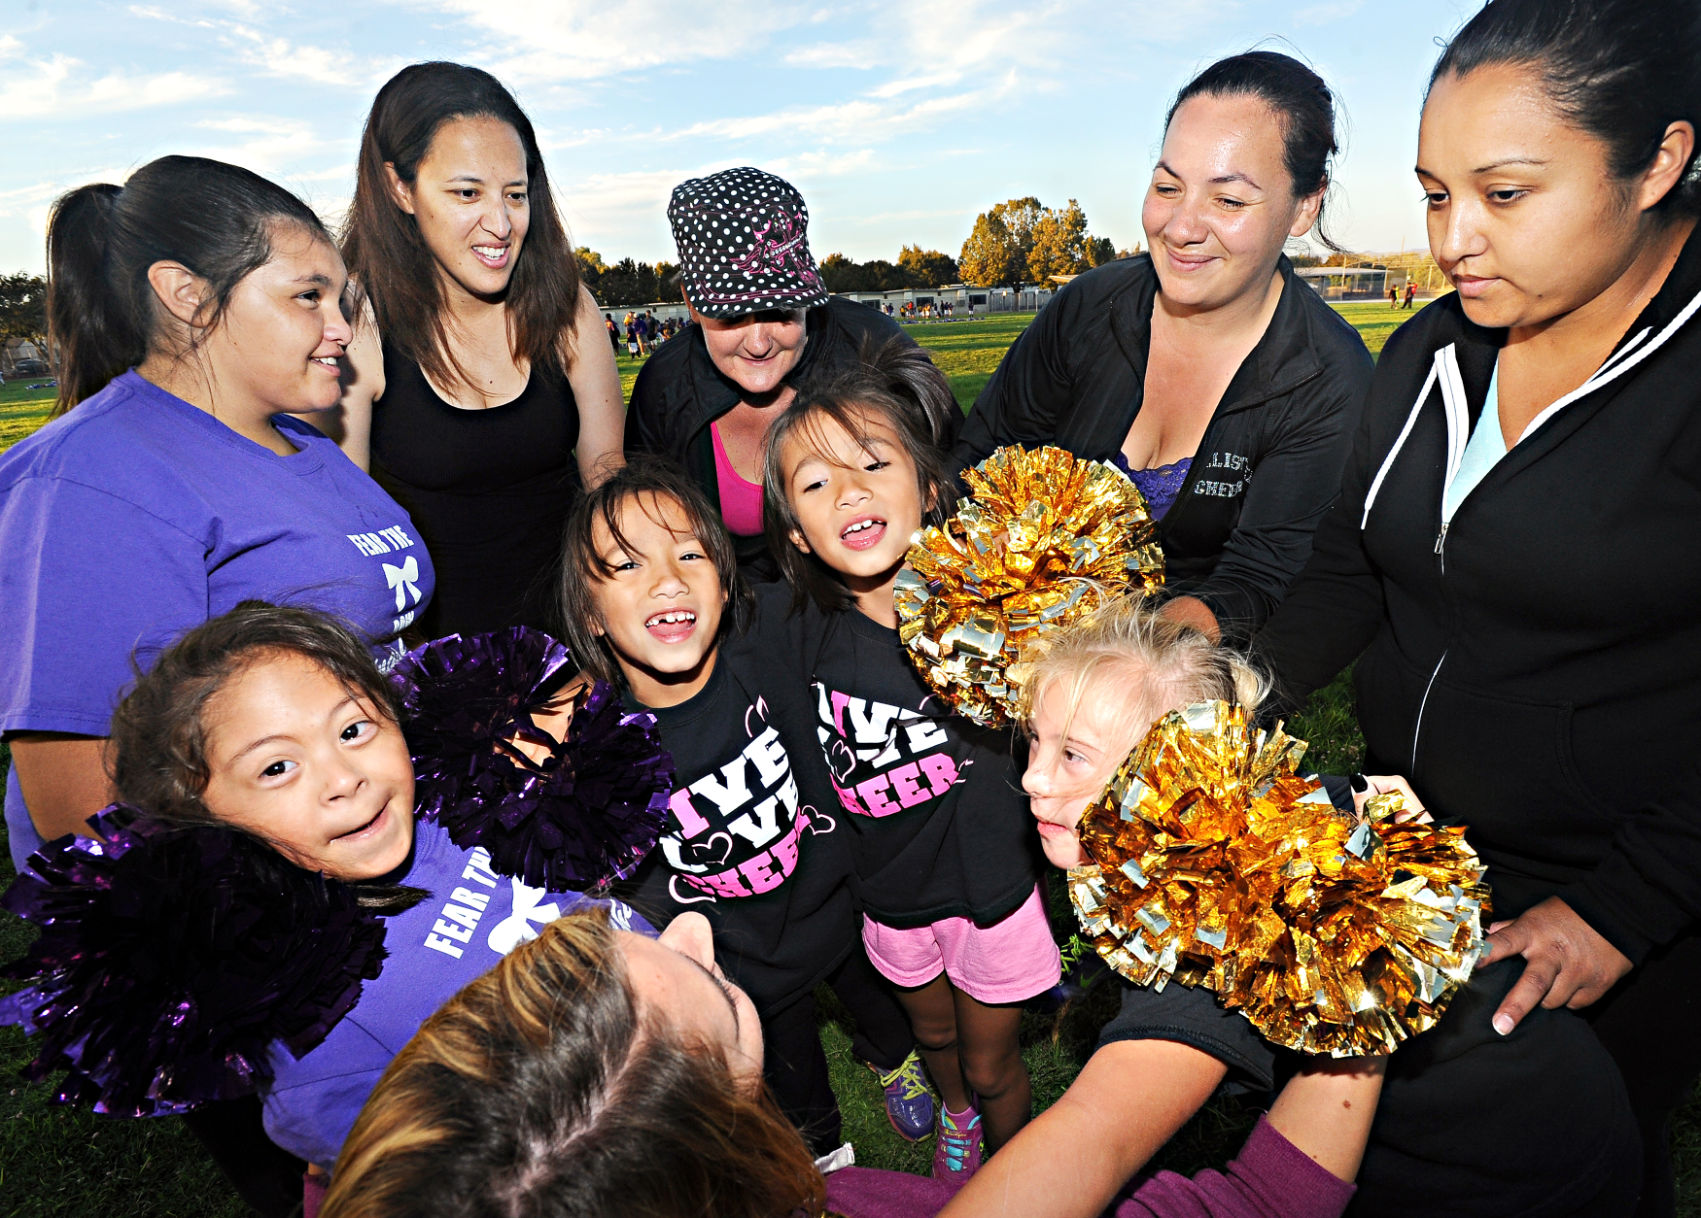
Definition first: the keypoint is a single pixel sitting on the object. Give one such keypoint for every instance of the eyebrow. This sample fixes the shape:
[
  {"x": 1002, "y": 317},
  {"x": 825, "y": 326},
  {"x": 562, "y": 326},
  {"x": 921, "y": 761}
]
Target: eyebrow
[
  {"x": 1219, "y": 180},
  {"x": 722, "y": 987},
  {"x": 316, "y": 279},
  {"x": 1488, "y": 168},
  {"x": 473, "y": 177},
  {"x": 265, "y": 740}
]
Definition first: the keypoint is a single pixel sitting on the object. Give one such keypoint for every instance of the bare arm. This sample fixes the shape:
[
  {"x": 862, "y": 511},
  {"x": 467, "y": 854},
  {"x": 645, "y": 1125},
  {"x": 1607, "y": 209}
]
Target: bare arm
[
  {"x": 63, "y": 778},
  {"x": 1145, "y": 1090},
  {"x": 1191, "y": 611},
  {"x": 1326, "y": 1109},
  {"x": 596, "y": 388}
]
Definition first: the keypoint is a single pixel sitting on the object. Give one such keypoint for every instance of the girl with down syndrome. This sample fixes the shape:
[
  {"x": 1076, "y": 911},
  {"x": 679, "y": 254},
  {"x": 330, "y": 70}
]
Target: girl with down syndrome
[
  {"x": 655, "y": 605},
  {"x": 286, "y": 893},
  {"x": 945, "y": 869},
  {"x": 596, "y": 1072}
]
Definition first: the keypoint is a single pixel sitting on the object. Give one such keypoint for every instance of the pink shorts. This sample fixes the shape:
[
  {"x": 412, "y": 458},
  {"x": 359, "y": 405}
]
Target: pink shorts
[{"x": 1009, "y": 961}]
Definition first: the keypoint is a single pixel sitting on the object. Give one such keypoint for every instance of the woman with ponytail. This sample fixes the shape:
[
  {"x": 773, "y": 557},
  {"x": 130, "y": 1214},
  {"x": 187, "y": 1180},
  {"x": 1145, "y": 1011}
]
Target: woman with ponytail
[{"x": 192, "y": 310}]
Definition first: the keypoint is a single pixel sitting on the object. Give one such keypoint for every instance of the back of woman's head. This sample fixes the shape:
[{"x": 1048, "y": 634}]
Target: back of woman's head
[
  {"x": 159, "y": 732},
  {"x": 1620, "y": 70},
  {"x": 217, "y": 220},
  {"x": 639, "y": 485},
  {"x": 1303, "y": 106},
  {"x": 1150, "y": 664},
  {"x": 895, "y": 384},
  {"x": 544, "y": 1089},
  {"x": 387, "y": 256}
]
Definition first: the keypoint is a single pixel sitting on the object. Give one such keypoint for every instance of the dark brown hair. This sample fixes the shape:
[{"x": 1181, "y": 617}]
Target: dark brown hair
[
  {"x": 388, "y": 258},
  {"x": 1621, "y": 71},
  {"x": 159, "y": 735},
  {"x": 895, "y": 384},
  {"x": 1304, "y": 109},
  {"x": 640, "y": 481},
  {"x": 217, "y": 220},
  {"x": 545, "y": 1089}
]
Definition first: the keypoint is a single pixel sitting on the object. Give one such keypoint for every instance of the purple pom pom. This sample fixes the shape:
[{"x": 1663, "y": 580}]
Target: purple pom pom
[
  {"x": 587, "y": 813},
  {"x": 161, "y": 982}
]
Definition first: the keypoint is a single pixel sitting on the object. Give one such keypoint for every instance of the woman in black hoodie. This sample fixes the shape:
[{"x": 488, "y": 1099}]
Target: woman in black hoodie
[{"x": 1517, "y": 548}]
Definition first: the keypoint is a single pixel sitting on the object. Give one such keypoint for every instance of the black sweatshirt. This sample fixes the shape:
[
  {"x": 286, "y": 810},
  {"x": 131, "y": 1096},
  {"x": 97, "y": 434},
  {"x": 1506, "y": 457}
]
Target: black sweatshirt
[
  {"x": 933, "y": 802},
  {"x": 1535, "y": 668},
  {"x": 1270, "y": 461},
  {"x": 752, "y": 840}
]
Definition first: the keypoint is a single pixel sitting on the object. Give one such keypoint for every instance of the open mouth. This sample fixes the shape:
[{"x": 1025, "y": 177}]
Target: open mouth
[
  {"x": 493, "y": 256},
  {"x": 671, "y": 626},
  {"x": 329, "y": 361},
  {"x": 362, "y": 830},
  {"x": 864, "y": 533}
]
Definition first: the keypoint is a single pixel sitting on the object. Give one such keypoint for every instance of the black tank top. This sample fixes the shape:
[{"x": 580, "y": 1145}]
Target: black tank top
[{"x": 488, "y": 489}]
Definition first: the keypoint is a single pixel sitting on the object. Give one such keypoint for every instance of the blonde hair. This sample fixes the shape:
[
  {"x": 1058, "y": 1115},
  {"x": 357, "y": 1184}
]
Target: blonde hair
[
  {"x": 544, "y": 1089},
  {"x": 1160, "y": 665}
]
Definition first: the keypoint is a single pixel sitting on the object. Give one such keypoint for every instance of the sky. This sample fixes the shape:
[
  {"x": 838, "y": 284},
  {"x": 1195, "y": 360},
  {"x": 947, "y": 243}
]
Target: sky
[{"x": 898, "y": 121}]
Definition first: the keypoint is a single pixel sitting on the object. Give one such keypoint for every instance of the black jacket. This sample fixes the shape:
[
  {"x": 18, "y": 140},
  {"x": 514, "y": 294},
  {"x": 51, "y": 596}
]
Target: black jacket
[
  {"x": 1076, "y": 376},
  {"x": 679, "y": 392},
  {"x": 1536, "y": 668}
]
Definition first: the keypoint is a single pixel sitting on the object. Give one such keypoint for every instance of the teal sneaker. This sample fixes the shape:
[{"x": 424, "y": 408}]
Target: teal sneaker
[
  {"x": 909, "y": 1100},
  {"x": 956, "y": 1156}
]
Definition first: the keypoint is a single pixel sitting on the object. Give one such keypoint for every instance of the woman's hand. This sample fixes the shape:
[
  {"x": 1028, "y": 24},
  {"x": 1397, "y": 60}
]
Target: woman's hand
[
  {"x": 1568, "y": 963},
  {"x": 1365, "y": 786}
]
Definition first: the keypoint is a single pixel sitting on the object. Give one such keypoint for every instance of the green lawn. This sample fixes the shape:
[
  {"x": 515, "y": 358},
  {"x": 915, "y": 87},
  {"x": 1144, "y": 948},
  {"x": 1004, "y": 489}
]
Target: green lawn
[{"x": 55, "y": 1161}]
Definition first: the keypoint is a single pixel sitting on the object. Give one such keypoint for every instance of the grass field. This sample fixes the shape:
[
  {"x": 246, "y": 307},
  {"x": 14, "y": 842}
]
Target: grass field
[{"x": 56, "y": 1161}]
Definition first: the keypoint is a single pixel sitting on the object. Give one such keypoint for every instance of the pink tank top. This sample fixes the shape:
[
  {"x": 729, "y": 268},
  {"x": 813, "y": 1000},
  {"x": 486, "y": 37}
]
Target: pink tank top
[{"x": 741, "y": 501}]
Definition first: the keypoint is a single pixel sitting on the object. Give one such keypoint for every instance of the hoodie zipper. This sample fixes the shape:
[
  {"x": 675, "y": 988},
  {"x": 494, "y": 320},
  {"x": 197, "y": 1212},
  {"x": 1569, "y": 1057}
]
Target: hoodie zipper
[{"x": 1417, "y": 728}]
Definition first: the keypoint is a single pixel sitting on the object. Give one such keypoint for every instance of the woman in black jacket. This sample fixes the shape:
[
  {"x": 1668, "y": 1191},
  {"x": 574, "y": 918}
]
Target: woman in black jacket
[
  {"x": 1517, "y": 549},
  {"x": 762, "y": 321},
  {"x": 1227, "y": 385}
]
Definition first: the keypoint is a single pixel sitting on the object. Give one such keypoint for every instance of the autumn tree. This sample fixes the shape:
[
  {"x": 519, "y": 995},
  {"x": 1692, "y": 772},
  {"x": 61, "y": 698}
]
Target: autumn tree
[
  {"x": 991, "y": 257},
  {"x": 1059, "y": 245},
  {"x": 926, "y": 268}
]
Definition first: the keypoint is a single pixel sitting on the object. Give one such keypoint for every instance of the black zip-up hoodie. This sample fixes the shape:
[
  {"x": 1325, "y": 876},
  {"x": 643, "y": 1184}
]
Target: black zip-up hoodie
[
  {"x": 1270, "y": 461},
  {"x": 679, "y": 392},
  {"x": 1535, "y": 668}
]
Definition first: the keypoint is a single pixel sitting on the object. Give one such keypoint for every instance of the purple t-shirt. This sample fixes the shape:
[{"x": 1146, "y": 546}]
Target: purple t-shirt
[
  {"x": 472, "y": 919},
  {"x": 137, "y": 516}
]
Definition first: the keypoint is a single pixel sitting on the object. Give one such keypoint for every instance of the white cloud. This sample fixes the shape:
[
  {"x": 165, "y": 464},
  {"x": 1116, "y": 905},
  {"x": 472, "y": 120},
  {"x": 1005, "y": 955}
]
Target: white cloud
[
  {"x": 300, "y": 61},
  {"x": 854, "y": 54},
  {"x": 10, "y": 46},
  {"x": 591, "y": 39},
  {"x": 59, "y": 88}
]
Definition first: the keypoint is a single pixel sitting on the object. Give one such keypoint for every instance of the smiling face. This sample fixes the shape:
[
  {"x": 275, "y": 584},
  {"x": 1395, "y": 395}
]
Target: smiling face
[
  {"x": 1221, "y": 203},
  {"x": 659, "y": 606},
  {"x": 1525, "y": 216},
  {"x": 469, "y": 198},
  {"x": 317, "y": 772},
  {"x": 757, "y": 351},
  {"x": 675, "y": 977},
  {"x": 1072, "y": 756},
  {"x": 277, "y": 346},
  {"x": 856, "y": 499}
]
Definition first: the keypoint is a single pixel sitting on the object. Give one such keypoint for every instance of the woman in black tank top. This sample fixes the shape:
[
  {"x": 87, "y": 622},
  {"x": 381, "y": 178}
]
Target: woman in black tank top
[{"x": 482, "y": 395}]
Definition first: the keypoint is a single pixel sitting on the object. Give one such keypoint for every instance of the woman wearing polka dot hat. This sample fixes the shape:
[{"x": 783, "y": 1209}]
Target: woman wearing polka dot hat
[{"x": 763, "y": 319}]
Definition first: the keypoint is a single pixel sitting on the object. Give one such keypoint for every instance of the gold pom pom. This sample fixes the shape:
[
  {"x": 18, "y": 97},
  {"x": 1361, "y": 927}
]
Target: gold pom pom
[
  {"x": 1042, "y": 538},
  {"x": 1217, "y": 865}
]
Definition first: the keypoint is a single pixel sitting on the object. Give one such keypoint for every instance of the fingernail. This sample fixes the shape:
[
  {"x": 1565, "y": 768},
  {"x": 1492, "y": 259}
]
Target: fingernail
[
  {"x": 1503, "y": 1024},
  {"x": 1359, "y": 783}
]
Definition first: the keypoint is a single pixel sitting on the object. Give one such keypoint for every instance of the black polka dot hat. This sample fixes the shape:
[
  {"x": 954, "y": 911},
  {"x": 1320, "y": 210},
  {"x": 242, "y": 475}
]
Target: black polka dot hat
[{"x": 743, "y": 238}]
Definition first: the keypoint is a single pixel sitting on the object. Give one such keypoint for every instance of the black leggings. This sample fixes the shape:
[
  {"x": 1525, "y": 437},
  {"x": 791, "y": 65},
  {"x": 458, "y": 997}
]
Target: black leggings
[{"x": 796, "y": 1066}]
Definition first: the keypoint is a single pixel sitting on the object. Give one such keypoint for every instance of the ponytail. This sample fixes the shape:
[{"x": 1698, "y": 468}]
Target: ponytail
[
  {"x": 215, "y": 219},
  {"x": 93, "y": 334}
]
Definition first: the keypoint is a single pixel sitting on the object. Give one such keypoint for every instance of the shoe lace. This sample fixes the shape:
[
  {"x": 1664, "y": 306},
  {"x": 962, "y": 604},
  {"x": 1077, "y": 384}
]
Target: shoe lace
[
  {"x": 958, "y": 1140},
  {"x": 908, "y": 1073}
]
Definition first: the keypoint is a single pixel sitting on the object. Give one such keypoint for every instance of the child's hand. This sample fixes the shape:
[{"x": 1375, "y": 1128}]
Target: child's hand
[
  {"x": 553, "y": 719},
  {"x": 1365, "y": 786}
]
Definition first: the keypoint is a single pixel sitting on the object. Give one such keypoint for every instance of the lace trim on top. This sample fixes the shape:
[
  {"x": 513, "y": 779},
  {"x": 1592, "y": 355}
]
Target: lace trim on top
[{"x": 1160, "y": 484}]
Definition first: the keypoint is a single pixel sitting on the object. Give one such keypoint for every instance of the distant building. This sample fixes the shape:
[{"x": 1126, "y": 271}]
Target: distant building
[{"x": 1025, "y": 299}]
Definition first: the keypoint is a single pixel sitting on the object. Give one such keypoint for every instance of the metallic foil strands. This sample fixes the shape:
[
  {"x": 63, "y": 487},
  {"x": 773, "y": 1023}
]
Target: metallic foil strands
[
  {"x": 1040, "y": 541},
  {"x": 1215, "y": 864}
]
